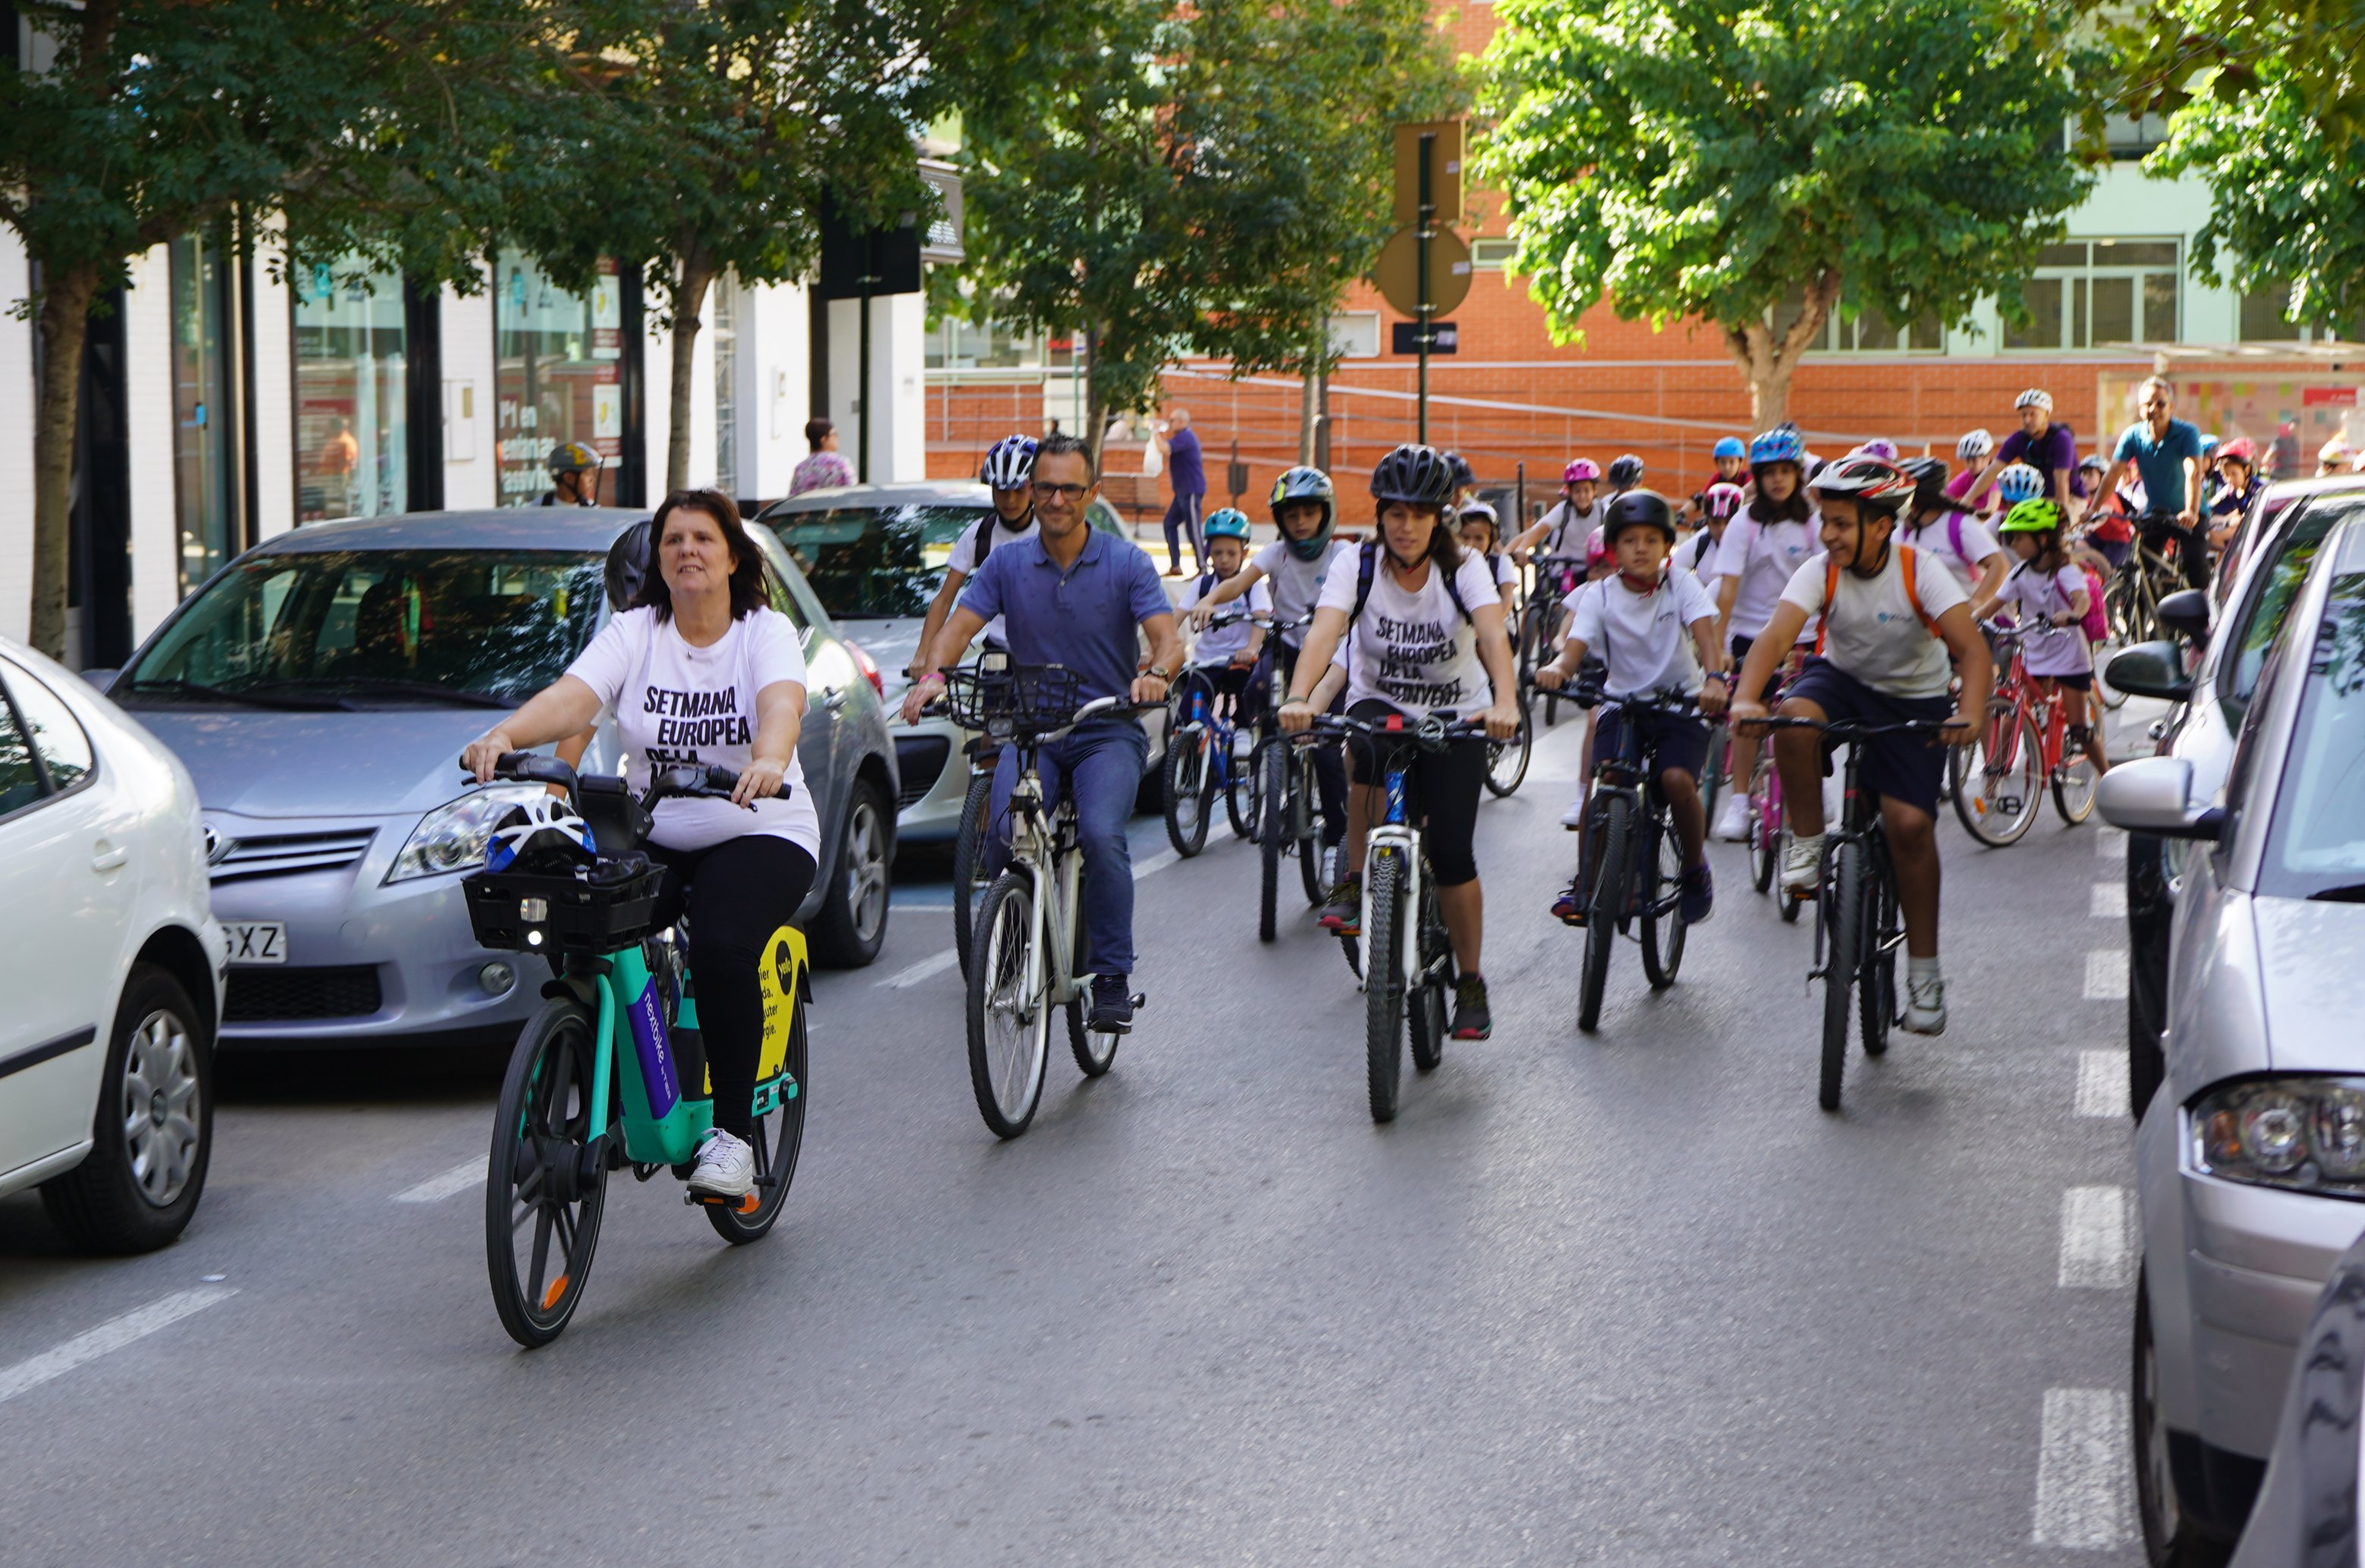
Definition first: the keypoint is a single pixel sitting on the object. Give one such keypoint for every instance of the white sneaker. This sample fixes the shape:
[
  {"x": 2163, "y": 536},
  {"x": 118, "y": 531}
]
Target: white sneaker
[
  {"x": 1575, "y": 816},
  {"x": 726, "y": 1167},
  {"x": 1925, "y": 1005},
  {"x": 1732, "y": 818},
  {"x": 1802, "y": 865}
]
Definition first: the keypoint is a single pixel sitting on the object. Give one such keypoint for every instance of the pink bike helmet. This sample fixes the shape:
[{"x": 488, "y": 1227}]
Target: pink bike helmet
[
  {"x": 1580, "y": 471},
  {"x": 1596, "y": 550}
]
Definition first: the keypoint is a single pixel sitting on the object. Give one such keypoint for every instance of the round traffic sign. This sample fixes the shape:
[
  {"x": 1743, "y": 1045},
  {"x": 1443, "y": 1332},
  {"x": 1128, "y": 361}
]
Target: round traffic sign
[{"x": 1398, "y": 274}]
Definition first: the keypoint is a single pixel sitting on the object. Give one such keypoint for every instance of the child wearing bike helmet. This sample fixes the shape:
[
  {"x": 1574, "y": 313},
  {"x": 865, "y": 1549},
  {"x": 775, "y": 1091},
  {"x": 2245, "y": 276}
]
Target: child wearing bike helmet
[
  {"x": 1972, "y": 451},
  {"x": 1889, "y": 624},
  {"x": 1654, "y": 631},
  {"x": 1772, "y": 537},
  {"x": 1716, "y": 505},
  {"x": 1008, "y": 473},
  {"x": 1236, "y": 644},
  {"x": 1564, "y": 526},
  {"x": 1482, "y": 535},
  {"x": 2049, "y": 596},
  {"x": 1940, "y": 526}
]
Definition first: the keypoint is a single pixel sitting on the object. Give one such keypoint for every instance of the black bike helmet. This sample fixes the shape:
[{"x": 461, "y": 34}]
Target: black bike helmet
[
  {"x": 1418, "y": 476},
  {"x": 1929, "y": 475},
  {"x": 1638, "y": 508},
  {"x": 1626, "y": 473},
  {"x": 628, "y": 566},
  {"x": 1464, "y": 476}
]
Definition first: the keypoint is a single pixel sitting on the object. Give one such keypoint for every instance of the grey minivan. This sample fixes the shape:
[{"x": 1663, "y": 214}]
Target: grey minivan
[{"x": 320, "y": 688}]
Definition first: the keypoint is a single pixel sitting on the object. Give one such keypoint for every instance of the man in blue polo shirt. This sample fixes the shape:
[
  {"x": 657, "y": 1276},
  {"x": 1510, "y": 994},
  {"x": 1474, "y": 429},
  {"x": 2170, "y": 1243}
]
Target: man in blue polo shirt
[
  {"x": 1072, "y": 596},
  {"x": 2166, "y": 452}
]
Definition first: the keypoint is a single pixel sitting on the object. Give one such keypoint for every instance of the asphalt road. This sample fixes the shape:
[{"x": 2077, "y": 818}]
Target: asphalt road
[{"x": 1626, "y": 1298}]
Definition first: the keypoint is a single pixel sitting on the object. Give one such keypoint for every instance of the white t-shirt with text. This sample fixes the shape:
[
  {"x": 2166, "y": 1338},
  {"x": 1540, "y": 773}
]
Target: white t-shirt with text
[
  {"x": 1873, "y": 633},
  {"x": 1644, "y": 638},
  {"x": 1414, "y": 650},
  {"x": 1764, "y": 556},
  {"x": 1295, "y": 584}
]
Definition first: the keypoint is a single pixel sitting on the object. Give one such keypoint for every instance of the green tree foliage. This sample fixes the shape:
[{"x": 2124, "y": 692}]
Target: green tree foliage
[
  {"x": 1203, "y": 180},
  {"x": 1692, "y": 158},
  {"x": 2177, "y": 52}
]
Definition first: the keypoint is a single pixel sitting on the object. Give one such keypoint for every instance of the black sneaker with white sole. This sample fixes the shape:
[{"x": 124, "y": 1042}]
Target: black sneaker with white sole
[{"x": 1112, "y": 1010}]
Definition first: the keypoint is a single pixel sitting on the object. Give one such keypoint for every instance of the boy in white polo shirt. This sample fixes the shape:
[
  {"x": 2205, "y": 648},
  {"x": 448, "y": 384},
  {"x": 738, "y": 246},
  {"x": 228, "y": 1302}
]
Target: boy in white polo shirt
[{"x": 1656, "y": 631}]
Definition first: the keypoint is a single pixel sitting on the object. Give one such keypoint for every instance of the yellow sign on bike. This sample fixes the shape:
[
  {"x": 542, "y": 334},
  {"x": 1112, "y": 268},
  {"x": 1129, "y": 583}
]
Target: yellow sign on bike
[{"x": 782, "y": 963}]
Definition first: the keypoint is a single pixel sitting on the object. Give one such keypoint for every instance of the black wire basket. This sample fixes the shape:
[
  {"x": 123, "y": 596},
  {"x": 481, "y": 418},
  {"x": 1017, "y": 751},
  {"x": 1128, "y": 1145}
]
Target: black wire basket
[
  {"x": 603, "y": 909},
  {"x": 1012, "y": 697}
]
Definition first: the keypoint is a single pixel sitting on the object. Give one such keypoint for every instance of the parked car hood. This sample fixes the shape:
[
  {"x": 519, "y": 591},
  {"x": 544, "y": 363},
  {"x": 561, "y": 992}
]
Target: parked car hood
[
  {"x": 380, "y": 763},
  {"x": 2309, "y": 952}
]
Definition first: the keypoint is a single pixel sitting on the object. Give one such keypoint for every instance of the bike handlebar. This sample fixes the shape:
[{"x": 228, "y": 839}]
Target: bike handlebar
[
  {"x": 1432, "y": 732},
  {"x": 684, "y": 782},
  {"x": 1853, "y": 729}
]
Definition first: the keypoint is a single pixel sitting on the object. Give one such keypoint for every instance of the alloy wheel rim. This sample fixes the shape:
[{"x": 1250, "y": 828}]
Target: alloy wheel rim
[
  {"x": 162, "y": 1109},
  {"x": 866, "y": 871}
]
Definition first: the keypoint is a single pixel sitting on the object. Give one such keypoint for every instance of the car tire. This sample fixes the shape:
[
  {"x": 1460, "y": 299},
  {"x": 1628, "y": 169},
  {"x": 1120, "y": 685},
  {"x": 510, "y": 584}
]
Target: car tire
[
  {"x": 852, "y": 925},
  {"x": 2149, "y": 916},
  {"x": 2172, "y": 1536},
  {"x": 160, "y": 1053}
]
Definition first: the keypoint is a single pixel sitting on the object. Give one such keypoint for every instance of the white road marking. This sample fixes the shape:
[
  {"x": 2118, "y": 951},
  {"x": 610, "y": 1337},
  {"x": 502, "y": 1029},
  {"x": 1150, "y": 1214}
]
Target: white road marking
[
  {"x": 435, "y": 1189},
  {"x": 935, "y": 964},
  {"x": 1155, "y": 864},
  {"x": 2110, "y": 842},
  {"x": 2102, "y": 1083},
  {"x": 112, "y": 1335},
  {"x": 2106, "y": 975},
  {"x": 2082, "y": 1469},
  {"x": 2107, "y": 900},
  {"x": 2096, "y": 1252}
]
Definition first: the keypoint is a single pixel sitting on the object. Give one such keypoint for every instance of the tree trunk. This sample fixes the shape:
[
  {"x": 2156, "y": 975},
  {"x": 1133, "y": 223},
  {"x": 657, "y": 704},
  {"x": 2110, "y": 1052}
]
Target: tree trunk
[
  {"x": 1767, "y": 362},
  {"x": 64, "y": 324},
  {"x": 689, "y": 301},
  {"x": 1095, "y": 398},
  {"x": 1309, "y": 397}
]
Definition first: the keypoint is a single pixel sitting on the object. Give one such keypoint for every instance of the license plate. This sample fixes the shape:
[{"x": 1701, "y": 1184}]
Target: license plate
[{"x": 255, "y": 941}]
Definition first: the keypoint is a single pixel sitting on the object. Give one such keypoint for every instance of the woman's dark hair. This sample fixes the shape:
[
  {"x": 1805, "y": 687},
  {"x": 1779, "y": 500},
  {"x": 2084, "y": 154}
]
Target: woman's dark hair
[
  {"x": 816, "y": 431},
  {"x": 1797, "y": 508},
  {"x": 747, "y": 593}
]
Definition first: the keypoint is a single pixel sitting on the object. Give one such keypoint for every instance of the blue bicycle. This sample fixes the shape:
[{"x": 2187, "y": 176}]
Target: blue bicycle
[{"x": 1201, "y": 760}]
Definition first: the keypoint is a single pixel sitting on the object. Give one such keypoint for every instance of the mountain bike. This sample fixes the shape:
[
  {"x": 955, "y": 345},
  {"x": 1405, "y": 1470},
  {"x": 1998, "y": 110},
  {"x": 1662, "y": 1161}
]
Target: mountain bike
[
  {"x": 612, "y": 1070},
  {"x": 2022, "y": 750},
  {"x": 1407, "y": 961},
  {"x": 1858, "y": 926},
  {"x": 1287, "y": 813},
  {"x": 1201, "y": 757},
  {"x": 2131, "y": 599},
  {"x": 1635, "y": 857},
  {"x": 1023, "y": 957}
]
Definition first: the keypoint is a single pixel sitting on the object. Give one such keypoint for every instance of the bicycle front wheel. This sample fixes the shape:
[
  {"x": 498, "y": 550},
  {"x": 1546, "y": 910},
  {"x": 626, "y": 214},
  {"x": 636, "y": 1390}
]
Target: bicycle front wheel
[
  {"x": 1876, "y": 980},
  {"x": 969, "y": 878},
  {"x": 545, "y": 1184},
  {"x": 2073, "y": 785},
  {"x": 779, "y": 1134},
  {"x": 1662, "y": 931},
  {"x": 1507, "y": 761},
  {"x": 1765, "y": 825},
  {"x": 1009, "y": 1021},
  {"x": 1427, "y": 1021},
  {"x": 1243, "y": 801},
  {"x": 1384, "y": 995},
  {"x": 1843, "y": 899},
  {"x": 1998, "y": 780},
  {"x": 1304, "y": 817},
  {"x": 1605, "y": 908},
  {"x": 1267, "y": 774},
  {"x": 1189, "y": 789}
]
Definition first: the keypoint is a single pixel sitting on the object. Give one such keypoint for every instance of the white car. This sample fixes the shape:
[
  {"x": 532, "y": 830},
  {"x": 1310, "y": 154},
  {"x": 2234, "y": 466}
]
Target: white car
[{"x": 107, "y": 1037}]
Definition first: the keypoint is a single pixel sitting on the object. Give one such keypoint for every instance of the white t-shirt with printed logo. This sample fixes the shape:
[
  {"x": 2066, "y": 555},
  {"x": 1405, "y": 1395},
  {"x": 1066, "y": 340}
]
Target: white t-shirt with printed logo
[
  {"x": 965, "y": 558},
  {"x": 1873, "y": 634},
  {"x": 2047, "y": 649},
  {"x": 674, "y": 704},
  {"x": 1644, "y": 638},
  {"x": 1415, "y": 651},
  {"x": 1220, "y": 643},
  {"x": 1295, "y": 584},
  {"x": 1764, "y": 556}
]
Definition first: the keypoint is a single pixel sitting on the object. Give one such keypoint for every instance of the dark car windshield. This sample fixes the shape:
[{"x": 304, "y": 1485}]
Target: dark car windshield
[
  {"x": 878, "y": 561},
  {"x": 369, "y": 627},
  {"x": 2291, "y": 550},
  {"x": 2318, "y": 844}
]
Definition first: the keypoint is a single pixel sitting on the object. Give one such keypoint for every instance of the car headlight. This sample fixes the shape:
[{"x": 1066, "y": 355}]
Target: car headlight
[
  {"x": 2306, "y": 1135},
  {"x": 452, "y": 837}
]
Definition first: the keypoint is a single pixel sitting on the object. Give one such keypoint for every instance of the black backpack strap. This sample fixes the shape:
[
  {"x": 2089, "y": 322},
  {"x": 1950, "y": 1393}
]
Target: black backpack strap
[
  {"x": 984, "y": 539},
  {"x": 1369, "y": 564}
]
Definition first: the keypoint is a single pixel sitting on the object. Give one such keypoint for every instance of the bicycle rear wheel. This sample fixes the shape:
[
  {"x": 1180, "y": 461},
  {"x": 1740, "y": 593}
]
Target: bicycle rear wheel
[
  {"x": 2073, "y": 785},
  {"x": 1094, "y": 1053},
  {"x": 1242, "y": 801},
  {"x": 1008, "y": 1024},
  {"x": 1662, "y": 865},
  {"x": 779, "y": 1134},
  {"x": 1268, "y": 774},
  {"x": 1714, "y": 782},
  {"x": 1765, "y": 825},
  {"x": 969, "y": 878},
  {"x": 1507, "y": 761},
  {"x": 1384, "y": 996},
  {"x": 1426, "y": 1023},
  {"x": 545, "y": 1185},
  {"x": 1842, "y": 900},
  {"x": 1876, "y": 980},
  {"x": 1304, "y": 820},
  {"x": 1998, "y": 780},
  {"x": 1604, "y": 910},
  {"x": 1190, "y": 790}
]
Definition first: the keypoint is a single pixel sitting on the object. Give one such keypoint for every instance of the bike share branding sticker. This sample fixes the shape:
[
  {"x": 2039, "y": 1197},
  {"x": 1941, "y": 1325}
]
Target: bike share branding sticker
[{"x": 657, "y": 1077}]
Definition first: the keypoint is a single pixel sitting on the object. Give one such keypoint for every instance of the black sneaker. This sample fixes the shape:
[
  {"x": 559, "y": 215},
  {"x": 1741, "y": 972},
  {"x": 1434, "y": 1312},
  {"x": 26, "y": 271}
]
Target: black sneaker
[
  {"x": 1697, "y": 900},
  {"x": 1112, "y": 1011},
  {"x": 1471, "y": 1019}
]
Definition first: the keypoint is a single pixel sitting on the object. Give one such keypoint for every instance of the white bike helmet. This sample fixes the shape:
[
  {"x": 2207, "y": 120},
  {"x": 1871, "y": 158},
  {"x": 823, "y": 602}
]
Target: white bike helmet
[
  {"x": 1974, "y": 447},
  {"x": 2034, "y": 397},
  {"x": 1871, "y": 482},
  {"x": 2018, "y": 483},
  {"x": 542, "y": 834},
  {"x": 1009, "y": 464}
]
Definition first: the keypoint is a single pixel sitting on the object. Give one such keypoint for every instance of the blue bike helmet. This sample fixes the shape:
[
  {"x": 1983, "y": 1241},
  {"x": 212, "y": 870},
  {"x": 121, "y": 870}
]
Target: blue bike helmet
[
  {"x": 1780, "y": 445},
  {"x": 1227, "y": 524},
  {"x": 1731, "y": 446},
  {"x": 2019, "y": 482},
  {"x": 1305, "y": 484},
  {"x": 1009, "y": 464}
]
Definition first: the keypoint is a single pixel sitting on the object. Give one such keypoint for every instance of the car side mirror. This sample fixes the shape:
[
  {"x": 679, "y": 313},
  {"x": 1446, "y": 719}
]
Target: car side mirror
[
  {"x": 2149, "y": 795},
  {"x": 2186, "y": 613},
  {"x": 2150, "y": 669}
]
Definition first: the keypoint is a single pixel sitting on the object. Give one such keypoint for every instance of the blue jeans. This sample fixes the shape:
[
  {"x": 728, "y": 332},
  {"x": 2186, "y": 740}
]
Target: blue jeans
[{"x": 1100, "y": 763}]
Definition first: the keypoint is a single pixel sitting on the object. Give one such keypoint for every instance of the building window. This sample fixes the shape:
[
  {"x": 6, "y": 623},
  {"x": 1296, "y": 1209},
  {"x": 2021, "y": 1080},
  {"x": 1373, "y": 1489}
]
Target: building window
[
  {"x": 560, "y": 374},
  {"x": 2266, "y": 318},
  {"x": 1492, "y": 255},
  {"x": 201, "y": 414},
  {"x": 352, "y": 376},
  {"x": 1355, "y": 334},
  {"x": 2129, "y": 136},
  {"x": 1870, "y": 332},
  {"x": 2091, "y": 293},
  {"x": 725, "y": 328}
]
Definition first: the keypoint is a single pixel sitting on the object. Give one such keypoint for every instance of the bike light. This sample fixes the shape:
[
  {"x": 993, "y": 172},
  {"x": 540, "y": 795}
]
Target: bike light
[
  {"x": 453, "y": 836},
  {"x": 2305, "y": 1134}
]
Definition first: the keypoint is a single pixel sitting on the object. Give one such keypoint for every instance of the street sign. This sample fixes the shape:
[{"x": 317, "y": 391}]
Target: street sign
[
  {"x": 1399, "y": 272},
  {"x": 1405, "y": 337},
  {"x": 1444, "y": 171}
]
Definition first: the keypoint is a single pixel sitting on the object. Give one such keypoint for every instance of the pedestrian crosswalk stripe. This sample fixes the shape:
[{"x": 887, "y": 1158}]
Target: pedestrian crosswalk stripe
[
  {"x": 2097, "y": 1253},
  {"x": 2102, "y": 1083}
]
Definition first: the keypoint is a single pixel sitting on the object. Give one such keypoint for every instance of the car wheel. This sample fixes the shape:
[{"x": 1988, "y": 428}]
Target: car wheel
[
  {"x": 2149, "y": 916},
  {"x": 853, "y": 921},
  {"x": 2172, "y": 1537},
  {"x": 152, "y": 1135}
]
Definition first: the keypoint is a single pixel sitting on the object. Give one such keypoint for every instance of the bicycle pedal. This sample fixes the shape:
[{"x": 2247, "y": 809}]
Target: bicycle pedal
[
  {"x": 745, "y": 1205},
  {"x": 1140, "y": 999}
]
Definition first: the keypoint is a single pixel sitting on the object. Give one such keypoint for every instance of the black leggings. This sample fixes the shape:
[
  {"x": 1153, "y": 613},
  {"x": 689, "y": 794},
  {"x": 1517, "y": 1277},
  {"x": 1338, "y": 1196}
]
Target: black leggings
[
  {"x": 738, "y": 894},
  {"x": 1441, "y": 791}
]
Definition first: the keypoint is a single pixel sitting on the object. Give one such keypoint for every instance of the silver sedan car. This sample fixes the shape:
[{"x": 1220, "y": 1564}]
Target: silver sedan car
[
  {"x": 320, "y": 688},
  {"x": 2251, "y": 1159}
]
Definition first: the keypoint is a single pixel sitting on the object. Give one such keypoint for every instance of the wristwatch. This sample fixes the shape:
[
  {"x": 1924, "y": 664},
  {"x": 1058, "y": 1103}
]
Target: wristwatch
[{"x": 1161, "y": 673}]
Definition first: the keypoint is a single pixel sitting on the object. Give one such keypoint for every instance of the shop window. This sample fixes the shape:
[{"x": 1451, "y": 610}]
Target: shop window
[
  {"x": 2092, "y": 292},
  {"x": 352, "y": 395},
  {"x": 560, "y": 374},
  {"x": 201, "y": 409}
]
